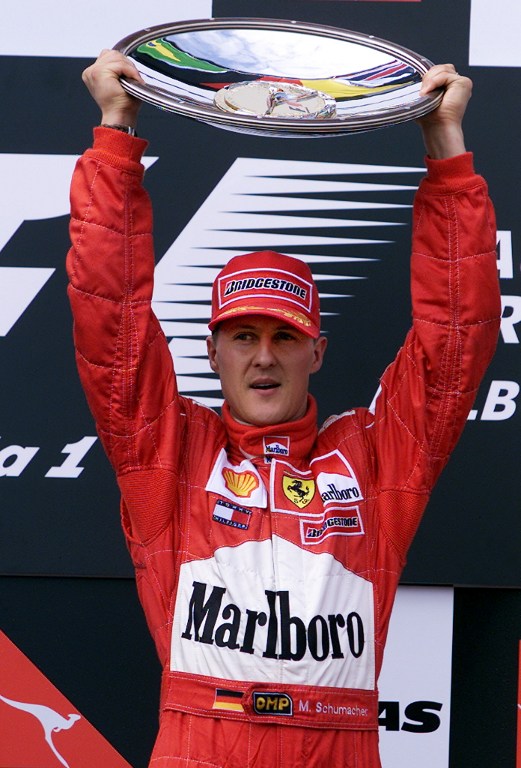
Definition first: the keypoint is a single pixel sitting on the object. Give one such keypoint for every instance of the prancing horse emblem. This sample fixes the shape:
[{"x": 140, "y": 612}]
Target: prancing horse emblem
[{"x": 298, "y": 490}]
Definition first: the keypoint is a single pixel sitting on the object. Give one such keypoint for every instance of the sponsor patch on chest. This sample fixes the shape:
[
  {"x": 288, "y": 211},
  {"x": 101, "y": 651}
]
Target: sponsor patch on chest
[
  {"x": 335, "y": 523},
  {"x": 273, "y": 611},
  {"x": 275, "y": 447},
  {"x": 239, "y": 483},
  {"x": 231, "y": 514},
  {"x": 329, "y": 485}
]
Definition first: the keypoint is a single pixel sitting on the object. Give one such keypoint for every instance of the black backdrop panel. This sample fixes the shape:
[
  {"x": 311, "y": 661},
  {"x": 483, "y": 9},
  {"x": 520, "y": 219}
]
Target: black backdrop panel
[
  {"x": 487, "y": 632},
  {"x": 69, "y": 524}
]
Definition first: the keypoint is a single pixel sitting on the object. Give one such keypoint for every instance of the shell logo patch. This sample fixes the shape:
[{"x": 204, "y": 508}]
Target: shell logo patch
[
  {"x": 298, "y": 490},
  {"x": 241, "y": 484}
]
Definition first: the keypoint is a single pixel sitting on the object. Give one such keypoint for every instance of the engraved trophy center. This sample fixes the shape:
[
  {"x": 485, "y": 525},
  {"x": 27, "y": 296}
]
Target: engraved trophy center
[{"x": 270, "y": 98}]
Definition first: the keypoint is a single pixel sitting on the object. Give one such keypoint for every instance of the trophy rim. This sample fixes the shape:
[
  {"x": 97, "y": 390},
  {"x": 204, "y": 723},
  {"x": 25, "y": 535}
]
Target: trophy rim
[{"x": 280, "y": 127}]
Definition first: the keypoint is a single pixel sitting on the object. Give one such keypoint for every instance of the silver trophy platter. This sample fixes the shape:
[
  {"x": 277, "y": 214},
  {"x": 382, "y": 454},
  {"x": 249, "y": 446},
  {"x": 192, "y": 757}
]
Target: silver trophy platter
[{"x": 277, "y": 78}]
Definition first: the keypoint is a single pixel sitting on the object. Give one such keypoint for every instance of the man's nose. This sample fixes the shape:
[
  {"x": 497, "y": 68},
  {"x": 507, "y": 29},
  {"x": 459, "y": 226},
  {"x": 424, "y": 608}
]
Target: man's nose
[{"x": 264, "y": 353}]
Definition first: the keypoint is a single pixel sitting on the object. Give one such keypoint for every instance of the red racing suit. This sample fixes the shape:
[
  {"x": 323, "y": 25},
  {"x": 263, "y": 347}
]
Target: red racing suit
[{"x": 267, "y": 559}]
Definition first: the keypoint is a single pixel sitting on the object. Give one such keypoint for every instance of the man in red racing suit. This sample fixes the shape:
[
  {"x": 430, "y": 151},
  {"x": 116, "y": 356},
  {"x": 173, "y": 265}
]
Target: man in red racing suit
[{"x": 267, "y": 554}]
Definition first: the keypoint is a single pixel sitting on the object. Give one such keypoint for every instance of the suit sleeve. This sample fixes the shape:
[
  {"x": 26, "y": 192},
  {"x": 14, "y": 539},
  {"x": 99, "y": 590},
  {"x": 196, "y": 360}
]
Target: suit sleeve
[
  {"x": 123, "y": 358},
  {"x": 428, "y": 391}
]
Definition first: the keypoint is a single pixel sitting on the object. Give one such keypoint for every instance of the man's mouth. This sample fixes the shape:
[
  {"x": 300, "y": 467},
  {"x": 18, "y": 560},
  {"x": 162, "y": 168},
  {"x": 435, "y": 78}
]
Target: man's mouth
[{"x": 265, "y": 385}]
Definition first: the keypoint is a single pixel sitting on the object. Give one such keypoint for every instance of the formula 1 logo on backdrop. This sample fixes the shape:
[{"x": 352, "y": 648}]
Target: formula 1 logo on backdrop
[
  {"x": 34, "y": 187},
  {"x": 282, "y": 205},
  {"x": 45, "y": 196}
]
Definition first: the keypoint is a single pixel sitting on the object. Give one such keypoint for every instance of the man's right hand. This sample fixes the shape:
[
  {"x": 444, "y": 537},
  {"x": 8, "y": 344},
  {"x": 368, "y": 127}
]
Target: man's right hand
[{"x": 102, "y": 79}]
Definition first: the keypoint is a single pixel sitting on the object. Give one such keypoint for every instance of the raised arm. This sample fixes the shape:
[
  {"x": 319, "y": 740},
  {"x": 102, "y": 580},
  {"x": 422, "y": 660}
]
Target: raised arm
[
  {"x": 428, "y": 391},
  {"x": 123, "y": 357}
]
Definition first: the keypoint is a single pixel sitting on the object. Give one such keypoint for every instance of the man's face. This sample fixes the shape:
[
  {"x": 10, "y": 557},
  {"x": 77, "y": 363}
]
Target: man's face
[{"x": 264, "y": 366}]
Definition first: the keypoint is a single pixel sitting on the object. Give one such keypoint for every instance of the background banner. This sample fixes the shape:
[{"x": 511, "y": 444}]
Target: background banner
[{"x": 343, "y": 205}]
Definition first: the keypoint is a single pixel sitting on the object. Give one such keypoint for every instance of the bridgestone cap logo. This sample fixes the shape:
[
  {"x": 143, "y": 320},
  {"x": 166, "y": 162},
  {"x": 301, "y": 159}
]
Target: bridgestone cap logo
[
  {"x": 268, "y": 703},
  {"x": 276, "y": 284}
]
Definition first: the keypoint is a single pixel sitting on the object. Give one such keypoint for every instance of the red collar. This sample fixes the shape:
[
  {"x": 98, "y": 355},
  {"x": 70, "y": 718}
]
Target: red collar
[{"x": 290, "y": 440}]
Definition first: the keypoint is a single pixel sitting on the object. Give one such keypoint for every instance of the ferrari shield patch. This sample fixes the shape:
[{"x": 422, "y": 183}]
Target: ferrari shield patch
[{"x": 298, "y": 490}]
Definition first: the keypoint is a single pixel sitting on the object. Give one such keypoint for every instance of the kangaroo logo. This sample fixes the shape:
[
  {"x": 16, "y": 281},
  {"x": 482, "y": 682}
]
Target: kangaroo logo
[{"x": 51, "y": 721}]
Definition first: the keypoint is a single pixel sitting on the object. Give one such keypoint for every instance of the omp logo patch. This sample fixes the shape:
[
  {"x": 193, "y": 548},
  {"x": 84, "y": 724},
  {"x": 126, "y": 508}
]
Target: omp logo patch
[
  {"x": 298, "y": 490},
  {"x": 240, "y": 483},
  {"x": 335, "y": 523},
  {"x": 272, "y": 704}
]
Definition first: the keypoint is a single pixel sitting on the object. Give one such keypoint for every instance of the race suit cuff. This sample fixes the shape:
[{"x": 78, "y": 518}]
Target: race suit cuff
[
  {"x": 451, "y": 174},
  {"x": 118, "y": 144}
]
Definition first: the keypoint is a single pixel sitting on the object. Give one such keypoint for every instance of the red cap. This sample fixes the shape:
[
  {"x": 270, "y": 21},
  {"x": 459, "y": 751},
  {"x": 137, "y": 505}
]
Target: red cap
[{"x": 267, "y": 283}]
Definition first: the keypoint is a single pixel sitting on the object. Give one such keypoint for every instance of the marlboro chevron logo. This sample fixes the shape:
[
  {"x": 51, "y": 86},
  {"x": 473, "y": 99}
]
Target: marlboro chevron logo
[
  {"x": 215, "y": 621},
  {"x": 240, "y": 483},
  {"x": 308, "y": 621},
  {"x": 298, "y": 490}
]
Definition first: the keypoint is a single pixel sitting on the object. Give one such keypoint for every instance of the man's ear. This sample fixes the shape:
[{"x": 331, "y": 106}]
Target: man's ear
[
  {"x": 319, "y": 352},
  {"x": 212, "y": 353}
]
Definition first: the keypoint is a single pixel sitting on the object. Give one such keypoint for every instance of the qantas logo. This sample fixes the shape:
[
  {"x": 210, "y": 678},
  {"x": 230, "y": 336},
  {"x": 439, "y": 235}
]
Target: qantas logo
[
  {"x": 51, "y": 721},
  {"x": 40, "y": 727}
]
